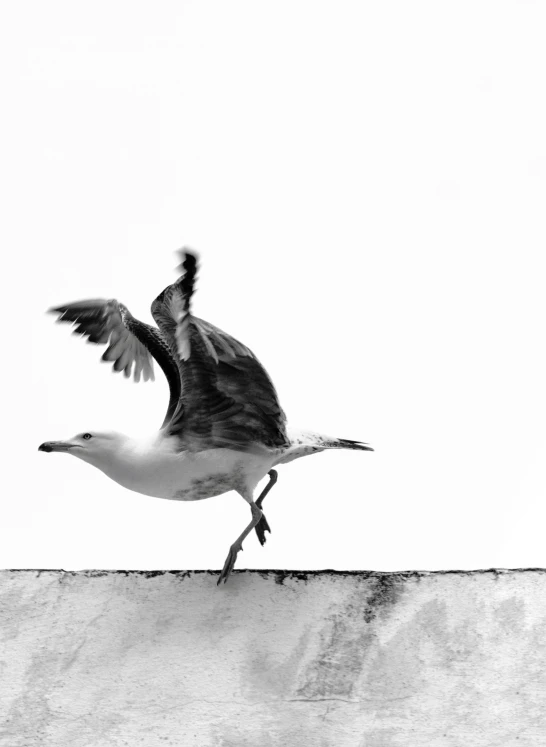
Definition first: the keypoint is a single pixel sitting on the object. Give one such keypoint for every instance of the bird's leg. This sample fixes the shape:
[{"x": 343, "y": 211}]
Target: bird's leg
[
  {"x": 262, "y": 526},
  {"x": 238, "y": 544}
]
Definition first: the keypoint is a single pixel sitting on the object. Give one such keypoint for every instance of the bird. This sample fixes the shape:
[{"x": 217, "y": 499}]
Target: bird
[{"x": 224, "y": 428}]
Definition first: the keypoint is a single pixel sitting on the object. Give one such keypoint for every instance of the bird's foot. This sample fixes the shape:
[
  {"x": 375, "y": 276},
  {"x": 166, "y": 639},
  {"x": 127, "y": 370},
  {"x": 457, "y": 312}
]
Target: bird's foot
[
  {"x": 230, "y": 562},
  {"x": 261, "y": 528}
]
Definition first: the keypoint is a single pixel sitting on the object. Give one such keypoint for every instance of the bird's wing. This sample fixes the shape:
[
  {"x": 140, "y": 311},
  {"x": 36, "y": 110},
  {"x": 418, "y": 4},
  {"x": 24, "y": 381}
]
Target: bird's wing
[
  {"x": 130, "y": 341},
  {"x": 227, "y": 399}
]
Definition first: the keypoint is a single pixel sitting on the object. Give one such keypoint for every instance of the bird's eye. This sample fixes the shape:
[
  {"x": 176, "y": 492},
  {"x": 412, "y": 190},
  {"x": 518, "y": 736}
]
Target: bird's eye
[{"x": 87, "y": 436}]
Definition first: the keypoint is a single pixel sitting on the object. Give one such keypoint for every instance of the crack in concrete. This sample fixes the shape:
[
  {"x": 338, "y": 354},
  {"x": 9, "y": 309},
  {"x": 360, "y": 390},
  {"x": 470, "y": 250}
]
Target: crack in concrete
[{"x": 271, "y": 702}]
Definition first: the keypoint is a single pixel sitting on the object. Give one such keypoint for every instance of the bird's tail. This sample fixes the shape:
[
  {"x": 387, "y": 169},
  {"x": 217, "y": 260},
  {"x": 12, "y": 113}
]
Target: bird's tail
[
  {"x": 345, "y": 443},
  {"x": 303, "y": 443}
]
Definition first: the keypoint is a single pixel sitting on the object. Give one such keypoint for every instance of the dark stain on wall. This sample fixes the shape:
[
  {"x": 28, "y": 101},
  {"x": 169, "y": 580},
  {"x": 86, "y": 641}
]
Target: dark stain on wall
[{"x": 385, "y": 592}]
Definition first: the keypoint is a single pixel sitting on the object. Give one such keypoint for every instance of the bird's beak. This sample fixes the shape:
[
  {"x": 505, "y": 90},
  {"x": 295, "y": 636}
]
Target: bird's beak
[{"x": 56, "y": 446}]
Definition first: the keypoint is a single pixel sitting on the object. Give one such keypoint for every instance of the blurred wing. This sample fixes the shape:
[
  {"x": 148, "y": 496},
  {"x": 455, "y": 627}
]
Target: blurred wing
[
  {"x": 109, "y": 322},
  {"x": 242, "y": 379},
  {"x": 130, "y": 342},
  {"x": 227, "y": 399}
]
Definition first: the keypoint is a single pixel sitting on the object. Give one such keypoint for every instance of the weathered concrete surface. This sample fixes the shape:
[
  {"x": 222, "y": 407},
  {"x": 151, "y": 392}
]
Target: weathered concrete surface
[{"x": 92, "y": 659}]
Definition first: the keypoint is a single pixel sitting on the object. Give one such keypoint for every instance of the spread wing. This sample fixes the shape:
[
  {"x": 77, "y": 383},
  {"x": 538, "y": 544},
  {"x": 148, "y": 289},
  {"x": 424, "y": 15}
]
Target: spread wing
[
  {"x": 227, "y": 399},
  {"x": 132, "y": 344}
]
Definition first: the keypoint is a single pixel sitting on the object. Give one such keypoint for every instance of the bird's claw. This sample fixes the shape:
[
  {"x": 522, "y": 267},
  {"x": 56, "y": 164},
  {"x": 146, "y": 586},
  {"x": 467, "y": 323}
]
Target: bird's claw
[
  {"x": 261, "y": 528},
  {"x": 228, "y": 565}
]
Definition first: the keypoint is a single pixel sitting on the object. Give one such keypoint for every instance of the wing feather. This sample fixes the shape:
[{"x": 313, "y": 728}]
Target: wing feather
[
  {"x": 131, "y": 343},
  {"x": 103, "y": 322},
  {"x": 227, "y": 398}
]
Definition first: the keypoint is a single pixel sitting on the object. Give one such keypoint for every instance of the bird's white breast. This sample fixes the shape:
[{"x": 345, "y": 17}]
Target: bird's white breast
[{"x": 157, "y": 469}]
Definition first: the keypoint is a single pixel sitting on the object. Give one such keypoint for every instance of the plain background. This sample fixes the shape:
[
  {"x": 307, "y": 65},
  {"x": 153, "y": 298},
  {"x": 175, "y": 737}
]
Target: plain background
[{"x": 365, "y": 183}]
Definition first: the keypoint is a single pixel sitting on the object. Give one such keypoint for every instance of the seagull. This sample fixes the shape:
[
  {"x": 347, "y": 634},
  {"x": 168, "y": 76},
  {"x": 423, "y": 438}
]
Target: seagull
[{"x": 224, "y": 428}]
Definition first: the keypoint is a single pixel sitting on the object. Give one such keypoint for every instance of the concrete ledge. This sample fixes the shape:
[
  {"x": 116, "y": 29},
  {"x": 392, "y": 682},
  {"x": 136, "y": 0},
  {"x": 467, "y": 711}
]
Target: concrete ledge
[{"x": 100, "y": 658}]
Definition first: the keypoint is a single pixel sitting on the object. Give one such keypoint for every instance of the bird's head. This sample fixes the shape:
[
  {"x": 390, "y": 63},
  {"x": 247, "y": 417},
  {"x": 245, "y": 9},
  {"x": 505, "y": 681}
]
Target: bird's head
[{"x": 94, "y": 447}]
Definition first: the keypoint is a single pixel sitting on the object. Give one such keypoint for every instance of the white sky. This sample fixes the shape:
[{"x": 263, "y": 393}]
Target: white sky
[{"x": 366, "y": 184}]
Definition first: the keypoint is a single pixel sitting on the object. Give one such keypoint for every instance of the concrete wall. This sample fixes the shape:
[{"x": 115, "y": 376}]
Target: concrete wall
[{"x": 292, "y": 659}]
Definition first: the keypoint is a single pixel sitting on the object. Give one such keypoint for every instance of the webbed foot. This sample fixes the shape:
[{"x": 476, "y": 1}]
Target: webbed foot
[{"x": 261, "y": 527}]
